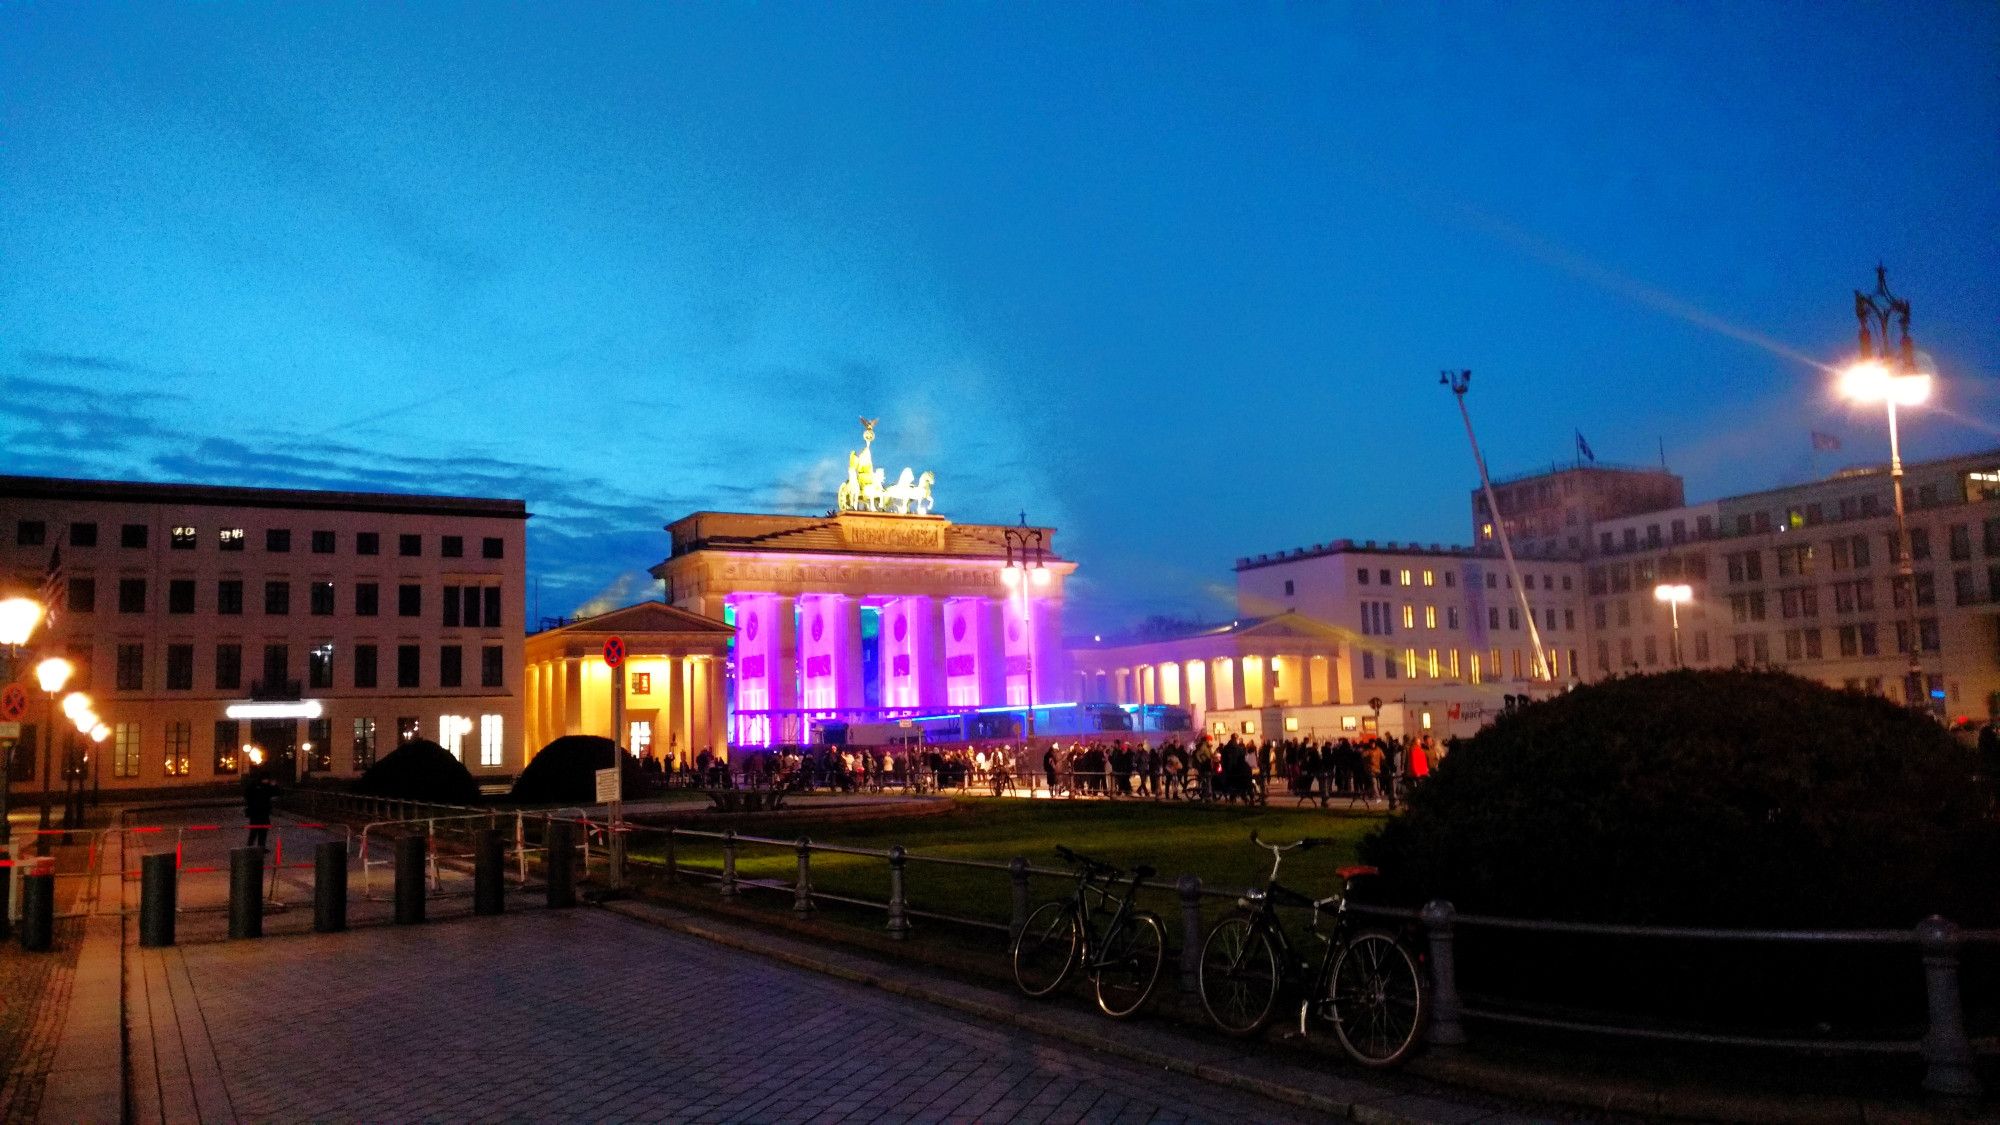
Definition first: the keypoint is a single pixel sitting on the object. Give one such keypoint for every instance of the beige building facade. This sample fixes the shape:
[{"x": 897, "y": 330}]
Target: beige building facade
[{"x": 665, "y": 700}]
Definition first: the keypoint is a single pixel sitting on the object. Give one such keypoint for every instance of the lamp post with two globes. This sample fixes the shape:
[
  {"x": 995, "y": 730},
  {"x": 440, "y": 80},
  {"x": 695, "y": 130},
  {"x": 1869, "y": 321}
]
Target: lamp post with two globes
[
  {"x": 18, "y": 618},
  {"x": 1024, "y": 570}
]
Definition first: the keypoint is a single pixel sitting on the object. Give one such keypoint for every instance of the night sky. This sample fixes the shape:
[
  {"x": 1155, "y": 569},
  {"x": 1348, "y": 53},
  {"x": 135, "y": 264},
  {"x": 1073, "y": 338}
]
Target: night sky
[{"x": 1176, "y": 279}]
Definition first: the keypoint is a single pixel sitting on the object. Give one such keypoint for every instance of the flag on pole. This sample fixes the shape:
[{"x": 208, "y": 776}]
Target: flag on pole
[
  {"x": 52, "y": 584},
  {"x": 1825, "y": 442},
  {"x": 1583, "y": 448}
]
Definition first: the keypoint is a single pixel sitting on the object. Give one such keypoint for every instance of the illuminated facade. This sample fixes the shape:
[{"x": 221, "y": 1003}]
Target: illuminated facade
[
  {"x": 392, "y": 616},
  {"x": 672, "y": 678}
]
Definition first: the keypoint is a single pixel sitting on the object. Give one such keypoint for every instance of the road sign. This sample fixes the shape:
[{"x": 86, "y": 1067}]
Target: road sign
[
  {"x": 10, "y": 730},
  {"x": 13, "y": 702},
  {"x": 607, "y": 786},
  {"x": 614, "y": 651}
]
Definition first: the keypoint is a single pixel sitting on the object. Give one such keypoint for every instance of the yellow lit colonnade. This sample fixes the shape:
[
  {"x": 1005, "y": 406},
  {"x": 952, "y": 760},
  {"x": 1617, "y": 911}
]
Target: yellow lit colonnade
[
  {"x": 1246, "y": 665},
  {"x": 674, "y": 674}
]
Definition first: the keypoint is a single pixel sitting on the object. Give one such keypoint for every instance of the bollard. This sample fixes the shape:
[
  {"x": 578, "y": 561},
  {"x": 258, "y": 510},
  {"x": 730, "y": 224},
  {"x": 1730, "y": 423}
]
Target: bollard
[
  {"x": 489, "y": 874},
  {"x": 1948, "y": 1072},
  {"x": 899, "y": 907},
  {"x": 729, "y": 863},
  {"x": 329, "y": 887},
  {"x": 6, "y": 893},
  {"x": 38, "y": 907},
  {"x": 521, "y": 847},
  {"x": 1189, "y": 887},
  {"x": 1017, "y": 874},
  {"x": 616, "y": 864},
  {"x": 411, "y": 853},
  {"x": 802, "y": 897},
  {"x": 561, "y": 863},
  {"x": 246, "y": 892},
  {"x": 673, "y": 869},
  {"x": 156, "y": 899},
  {"x": 1445, "y": 1029}
]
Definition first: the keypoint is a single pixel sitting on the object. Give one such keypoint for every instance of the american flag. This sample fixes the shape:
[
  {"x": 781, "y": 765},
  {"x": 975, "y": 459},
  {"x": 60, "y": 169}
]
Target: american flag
[{"x": 52, "y": 588}]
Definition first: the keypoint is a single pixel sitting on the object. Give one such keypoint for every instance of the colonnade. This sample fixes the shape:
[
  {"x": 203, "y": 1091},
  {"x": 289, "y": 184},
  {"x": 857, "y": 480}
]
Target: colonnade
[
  {"x": 675, "y": 704},
  {"x": 1220, "y": 683}
]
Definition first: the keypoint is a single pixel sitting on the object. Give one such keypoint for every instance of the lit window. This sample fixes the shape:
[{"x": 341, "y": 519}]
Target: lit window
[
  {"x": 182, "y": 539},
  {"x": 1473, "y": 658},
  {"x": 1410, "y": 662},
  {"x": 1430, "y": 578},
  {"x": 490, "y": 749},
  {"x": 1430, "y": 617},
  {"x": 452, "y": 730},
  {"x": 125, "y": 750},
  {"x": 1434, "y": 664},
  {"x": 1350, "y": 722},
  {"x": 1454, "y": 664},
  {"x": 1405, "y": 578},
  {"x": 230, "y": 538},
  {"x": 642, "y": 683},
  {"x": 1409, "y": 615}
]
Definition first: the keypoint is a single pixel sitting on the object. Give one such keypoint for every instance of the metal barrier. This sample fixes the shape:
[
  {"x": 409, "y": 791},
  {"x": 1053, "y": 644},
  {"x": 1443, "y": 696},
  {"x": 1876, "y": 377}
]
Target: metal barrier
[{"x": 373, "y": 832}]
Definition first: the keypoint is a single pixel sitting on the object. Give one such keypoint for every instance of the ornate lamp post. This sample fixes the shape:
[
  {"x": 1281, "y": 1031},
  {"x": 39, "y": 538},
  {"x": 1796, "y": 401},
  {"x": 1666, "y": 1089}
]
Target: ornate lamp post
[
  {"x": 1891, "y": 377},
  {"x": 1675, "y": 595},
  {"x": 1024, "y": 571},
  {"x": 18, "y": 618},
  {"x": 51, "y": 674}
]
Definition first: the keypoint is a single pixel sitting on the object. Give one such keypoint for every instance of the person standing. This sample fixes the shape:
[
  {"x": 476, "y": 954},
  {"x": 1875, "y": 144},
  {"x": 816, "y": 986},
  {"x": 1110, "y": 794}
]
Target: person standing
[{"x": 259, "y": 793}]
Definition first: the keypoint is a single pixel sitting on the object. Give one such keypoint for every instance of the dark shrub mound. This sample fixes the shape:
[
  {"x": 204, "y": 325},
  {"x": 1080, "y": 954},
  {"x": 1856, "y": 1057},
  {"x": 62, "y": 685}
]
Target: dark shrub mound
[
  {"x": 565, "y": 772},
  {"x": 420, "y": 771},
  {"x": 1750, "y": 799}
]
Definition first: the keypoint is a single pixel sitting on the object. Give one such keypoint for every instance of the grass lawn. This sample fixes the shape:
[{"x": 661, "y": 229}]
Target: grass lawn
[{"x": 1209, "y": 842}]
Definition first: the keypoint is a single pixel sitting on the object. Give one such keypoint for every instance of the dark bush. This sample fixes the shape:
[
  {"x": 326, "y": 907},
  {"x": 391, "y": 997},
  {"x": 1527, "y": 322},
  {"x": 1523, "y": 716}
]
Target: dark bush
[
  {"x": 420, "y": 771},
  {"x": 565, "y": 772}
]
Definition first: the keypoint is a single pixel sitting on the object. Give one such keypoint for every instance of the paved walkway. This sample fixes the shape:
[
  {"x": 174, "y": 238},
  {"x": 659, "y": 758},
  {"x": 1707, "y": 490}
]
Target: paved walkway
[{"x": 587, "y": 1015}]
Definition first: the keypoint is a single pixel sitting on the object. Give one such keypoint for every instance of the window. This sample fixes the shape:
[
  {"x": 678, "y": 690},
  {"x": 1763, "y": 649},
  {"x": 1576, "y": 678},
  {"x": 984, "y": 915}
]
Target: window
[
  {"x": 451, "y": 666},
  {"x": 1850, "y": 640},
  {"x": 1367, "y": 665},
  {"x": 493, "y": 547},
  {"x": 1451, "y": 580},
  {"x": 180, "y": 667},
  {"x": 408, "y": 729},
  {"x": 408, "y": 658},
  {"x": 452, "y": 730},
  {"x": 410, "y": 600},
  {"x": 1430, "y": 578},
  {"x": 642, "y": 682},
  {"x": 1652, "y": 651},
  {"x": 319, "y": 745},
  {"x": 1513, "y": 618},
  {"x": 322, "y": 598},
  {"x": 1430, "y": 617},
  {"x": 83, "y": 595},
  {"x": 1409, "y": 615},
  {"x": 133, "y": 536},
  {"x": 182, "y": 538},
  {"x": 229, "y": 596},
  {"x": 319, "y": 666},
  {"x": 277, "y": 667},
  {"x": 180, "y": 595},
  {"x": 180, "y": 740},
  {"x": 364, "y": 744},
  {"x": 367, "y": 542},
  {"x": 83, "y": 534},
  {"x": 492, "y": 667},
  {"x": 31, "y": 533},
  {"x": 1964, "y": 590},
  {"x": 322, "y": 542},
  {"x": 131, "y": 595},
  {"x": 125, "y": 750},
  {"x": 228, "y": 739},
  {"x": 1450, "y": 616},
  {"x": 452, "y": 546},
  {"x": 367, "y": 599},
  {"x": 230, "y": 539},
  {"x": 1961, "y": 542},
  {"x": 1403, "y": 578},
  {"x": 1569, "y": 619},
  {"x": 410, "y": 546},
  {"x": 1868, "y": 641},
  {"x": 491, "y": 595},
  {"x": 1920, "y": 543},
  {"x": 491, "y": 746},
  {"x": 1361, "y": 575},
  {"x": 278, "y": 540},
  {"x": 277, "y": 597},
  {"x": 451, "y": 607},
  {"x": 1493, "y": 617},
  {"x": 228, "y": 667},
  {"x": 1288, "y": 587},
  {"x": 364, "y": 666}
]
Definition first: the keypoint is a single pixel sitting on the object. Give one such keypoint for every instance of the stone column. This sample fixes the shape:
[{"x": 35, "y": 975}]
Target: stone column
[
  {"x": 674, "y": 722},
  {"x": 927, "y": 622},
  {"x": 718, "y": 707},
  {"x": 993, "y": 652},
  {"x": 1238, "y": 694},
  {"x": 783, "y": 664},
  {"x": 1052, "y": 666},
  {"x": 849, "y": 691},
  {"x": 700, "y": 717},
  {"x": 572, "y": 721}
]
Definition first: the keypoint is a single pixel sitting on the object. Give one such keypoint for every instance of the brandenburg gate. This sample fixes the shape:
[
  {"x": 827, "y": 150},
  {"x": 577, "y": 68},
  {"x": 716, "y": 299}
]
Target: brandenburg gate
[{"x": 878, "y": 610}]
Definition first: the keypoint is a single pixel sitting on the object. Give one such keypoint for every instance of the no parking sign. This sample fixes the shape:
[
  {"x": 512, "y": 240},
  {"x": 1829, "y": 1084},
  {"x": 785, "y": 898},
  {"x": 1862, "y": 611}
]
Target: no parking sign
[
  {"x": 13, "y": 703},
  {"x": 614, "y": 651}
]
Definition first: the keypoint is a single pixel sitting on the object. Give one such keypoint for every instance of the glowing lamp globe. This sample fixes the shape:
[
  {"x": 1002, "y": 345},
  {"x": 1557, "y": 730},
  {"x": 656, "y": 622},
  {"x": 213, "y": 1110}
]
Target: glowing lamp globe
[
  {"x": 18, "y": 618},
  {"x": 53, "y": 673},
  {"x": 75, "y": 703}
]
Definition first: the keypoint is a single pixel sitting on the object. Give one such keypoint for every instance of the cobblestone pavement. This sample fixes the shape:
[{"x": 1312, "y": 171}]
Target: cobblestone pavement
[
  {"x": 585, "y": 1015},
  {"x": 34, "y": 994}
]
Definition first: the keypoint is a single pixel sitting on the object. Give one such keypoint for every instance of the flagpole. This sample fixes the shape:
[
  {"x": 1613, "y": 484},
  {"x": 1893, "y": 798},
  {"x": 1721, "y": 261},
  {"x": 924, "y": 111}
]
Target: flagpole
[{"x": 1458, "y": 382}]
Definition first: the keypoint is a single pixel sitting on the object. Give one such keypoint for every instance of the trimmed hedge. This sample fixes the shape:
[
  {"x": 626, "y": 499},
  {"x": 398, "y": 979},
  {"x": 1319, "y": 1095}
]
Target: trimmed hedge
[
  {"x": 565, "y": 772},
  {"x": 420, "y": 771}
]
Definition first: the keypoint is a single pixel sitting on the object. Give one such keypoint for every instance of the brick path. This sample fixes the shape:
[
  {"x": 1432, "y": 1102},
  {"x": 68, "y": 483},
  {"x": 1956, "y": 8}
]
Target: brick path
[{"x": 584, "y": 1014}]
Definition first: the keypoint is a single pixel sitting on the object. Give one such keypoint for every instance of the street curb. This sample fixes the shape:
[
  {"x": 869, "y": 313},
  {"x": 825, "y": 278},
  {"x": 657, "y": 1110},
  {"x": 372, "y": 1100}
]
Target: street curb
[{"x": 1067, "y": 1031}]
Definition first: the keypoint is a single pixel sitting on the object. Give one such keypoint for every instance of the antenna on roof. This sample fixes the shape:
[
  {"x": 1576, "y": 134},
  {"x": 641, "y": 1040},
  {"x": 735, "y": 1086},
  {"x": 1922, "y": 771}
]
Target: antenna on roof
[{"x": 1024, "y": 517}]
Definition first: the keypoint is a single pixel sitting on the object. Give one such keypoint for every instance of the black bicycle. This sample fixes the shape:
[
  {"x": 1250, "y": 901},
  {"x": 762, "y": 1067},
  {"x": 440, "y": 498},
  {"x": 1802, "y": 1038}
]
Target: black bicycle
[
  {"x": 1367, "y": 983},
  {"x": 1122, "y": 957}
]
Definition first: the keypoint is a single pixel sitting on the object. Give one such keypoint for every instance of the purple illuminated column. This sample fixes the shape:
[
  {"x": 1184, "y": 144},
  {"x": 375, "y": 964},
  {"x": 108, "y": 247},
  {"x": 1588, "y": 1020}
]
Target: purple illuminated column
[
  {"x": 1052, "y": 674},
  {"x": 784, "y": 654},
  {"x": 927, "y": 653},
  {"x": 993, "y": 651},
  {"x": 846, "y": 651}
]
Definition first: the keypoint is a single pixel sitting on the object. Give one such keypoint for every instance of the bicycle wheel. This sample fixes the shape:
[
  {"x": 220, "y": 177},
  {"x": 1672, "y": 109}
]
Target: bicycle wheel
[
  {"x": 1131, "y": 965},
  {"x": 1239, "y": 976},
  {"x": 1378, "y": 999},
  {"x": 1046, "y": 949}
]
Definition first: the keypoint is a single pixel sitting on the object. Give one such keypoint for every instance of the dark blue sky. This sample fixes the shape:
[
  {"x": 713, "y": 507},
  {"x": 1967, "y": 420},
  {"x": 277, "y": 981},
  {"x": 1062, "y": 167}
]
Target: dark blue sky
[{"x": 1177, "y": 279}]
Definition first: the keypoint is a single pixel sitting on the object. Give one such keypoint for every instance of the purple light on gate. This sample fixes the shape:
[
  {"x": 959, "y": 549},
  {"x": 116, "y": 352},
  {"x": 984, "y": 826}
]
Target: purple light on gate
[
  {"x": 958, "y": 628},
  {"x": 901, "y": 627}
]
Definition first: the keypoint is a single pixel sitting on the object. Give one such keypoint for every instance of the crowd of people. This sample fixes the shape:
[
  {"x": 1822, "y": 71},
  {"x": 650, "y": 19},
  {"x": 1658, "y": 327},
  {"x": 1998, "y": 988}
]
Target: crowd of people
[{"x": 1234, "y": 770}]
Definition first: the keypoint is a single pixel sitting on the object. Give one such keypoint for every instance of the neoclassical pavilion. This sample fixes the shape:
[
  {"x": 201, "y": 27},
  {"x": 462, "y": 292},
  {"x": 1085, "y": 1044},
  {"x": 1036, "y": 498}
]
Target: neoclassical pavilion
[
  {"x": 876, "y": 611},
  {"x": 673, "y": 681},
  {"x": 1285, "y": 660}
]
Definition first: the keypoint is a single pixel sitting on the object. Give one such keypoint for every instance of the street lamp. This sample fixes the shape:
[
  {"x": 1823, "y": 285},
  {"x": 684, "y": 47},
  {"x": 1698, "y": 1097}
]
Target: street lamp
[
  {"x": 78, "y": 707},
  {"x": 1024, "y": 571},
  {"x": 18, "y": 618},
  {"x": 51, "y": 674},
  {"x": 1892, "y": 378},
  {"x": 1675, "y": 595}
]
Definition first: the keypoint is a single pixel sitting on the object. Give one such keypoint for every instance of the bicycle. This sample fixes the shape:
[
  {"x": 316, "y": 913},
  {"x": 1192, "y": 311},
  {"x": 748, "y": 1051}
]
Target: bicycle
[
  {"x": 1123, "y": 960},
  {"x": 1367, "y": 983}
]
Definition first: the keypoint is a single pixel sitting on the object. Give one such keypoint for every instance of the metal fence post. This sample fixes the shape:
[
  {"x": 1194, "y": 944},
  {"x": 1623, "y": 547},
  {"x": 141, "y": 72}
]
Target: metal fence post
[
  {"x": 156, "y": 899},
  {"x": 431, "y": 853},
  {"x": 330, "y": 887},
  {"x": 1947, "y": 1053},
  {"x": 899, "y": 909},
  {"x": 615, "y": 845},
  {"x": 673, "y": 868},
  {"x": 246, "y": 901},
  {"x": 802, "y": 897},
  {"x": 6, "y": 892},
  {"x": 521, "y": 846},
  {"x": 411, "y": 854},
  {"x": 1189, "y": 887},
  {"x": 1445, "y": 1028},
  {"x": 1017, "y": 877},
  {"x": 728, "y": 889}
]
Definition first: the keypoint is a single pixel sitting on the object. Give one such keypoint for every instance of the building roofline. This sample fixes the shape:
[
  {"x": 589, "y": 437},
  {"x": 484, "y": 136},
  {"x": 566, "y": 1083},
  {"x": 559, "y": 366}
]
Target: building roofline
[
  {"x": 1391, "y": 547},
  {"x": 233, "y": 496}
]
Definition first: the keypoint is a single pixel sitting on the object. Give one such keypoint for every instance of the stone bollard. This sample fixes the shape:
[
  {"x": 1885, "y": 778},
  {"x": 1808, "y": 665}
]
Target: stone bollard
[
  {"x": 246, "y": 892},
  {"x": 1017, "y": 877},
  {"x": 1445, "y": 1028},
  {"x": 38, "y": 907},
  {"x": 561, "y": 864},
  {"x": 489, "y": 874},
  {"x": 411, "y": 852},
  {"x": 899, "y": 906},
  {"x": 728, "y": 888},
  {"x": 157, "y": 889},
  {"x": 802, "y": 895},
  {"x": 329, "y": 887},
  {"x": 1948, "y": 1062},
  {"x": 1189, "y": 887}
]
